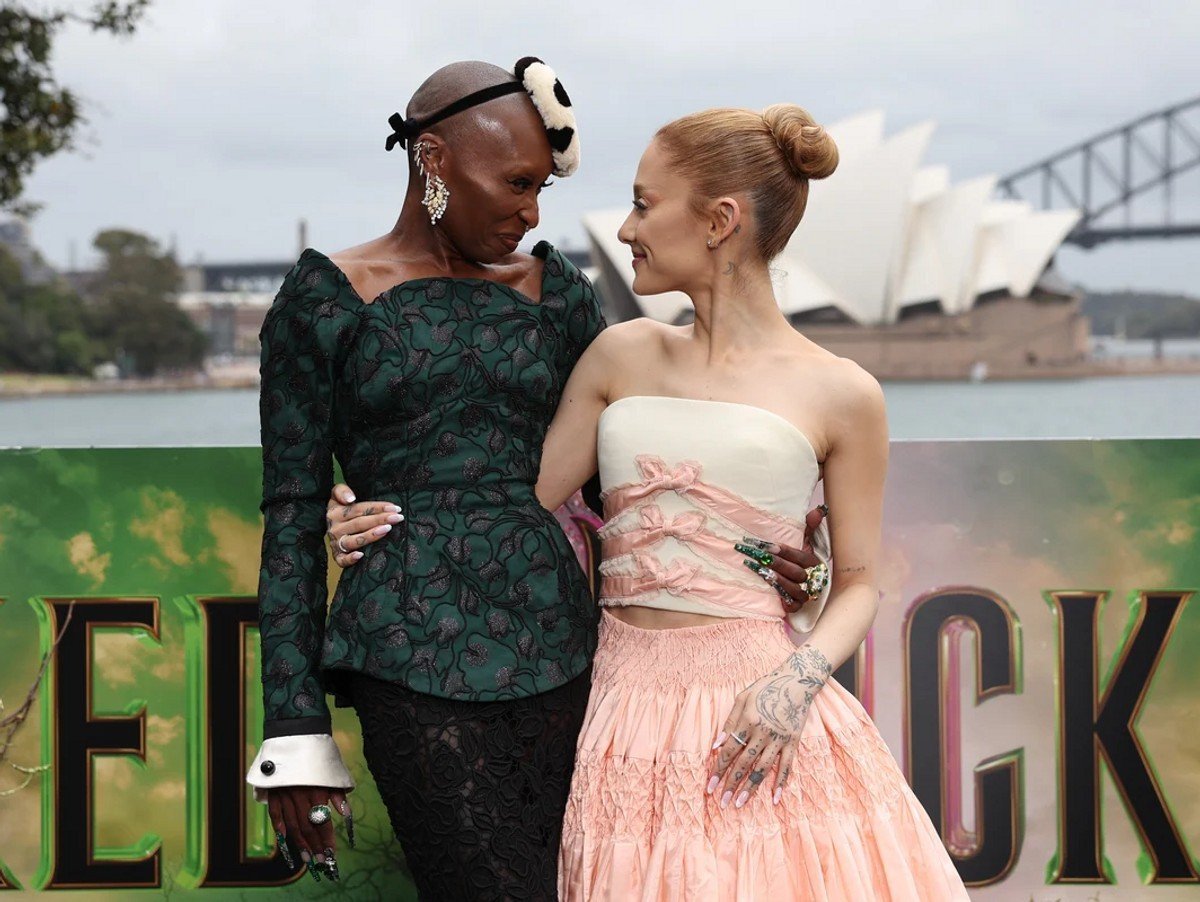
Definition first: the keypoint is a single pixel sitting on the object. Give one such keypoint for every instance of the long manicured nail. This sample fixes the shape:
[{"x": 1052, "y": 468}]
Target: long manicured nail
[
  {"x": 350, "y": 496},
  {"x": 331, "y": 866},
  {"x": 307, "y": 859},
  {"x": 382, "y": 530},
  {"x": 758, "y": 568},
  {"x": 761, "y": 556},
  {"x": 712, "y": 784},
  {"x": 347, "y": 814},
  {"x": 720, "y": 740},
  {"x": 778, "y": 795},
  {"x": 742, "y": 799},
  {"x": 392, "y": 508},
  {"x": 725, "y": 798},
  {"x": 394, "y": 518},
  {"x": 320, "y": 858},
  {"x": 356, "y": 556},
  {"x": 282, "y": 846}
]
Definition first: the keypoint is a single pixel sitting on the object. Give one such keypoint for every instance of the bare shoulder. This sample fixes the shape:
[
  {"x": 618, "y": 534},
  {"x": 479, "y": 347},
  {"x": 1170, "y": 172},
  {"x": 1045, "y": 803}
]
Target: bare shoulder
[
  {"x": 635, "y": 337},
  {"x": 853, "y": 382},
  {"x": 356, "y": 256}
]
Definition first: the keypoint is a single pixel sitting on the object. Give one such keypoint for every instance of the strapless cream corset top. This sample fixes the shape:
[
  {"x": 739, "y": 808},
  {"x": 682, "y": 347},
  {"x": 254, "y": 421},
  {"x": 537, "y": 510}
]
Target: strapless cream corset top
[{"x": 683, "y": 480}]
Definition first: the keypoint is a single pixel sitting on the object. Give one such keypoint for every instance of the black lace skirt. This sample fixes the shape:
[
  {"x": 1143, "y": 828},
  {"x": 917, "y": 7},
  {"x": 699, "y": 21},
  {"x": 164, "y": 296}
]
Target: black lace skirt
[{"x": 475, "y": 790}]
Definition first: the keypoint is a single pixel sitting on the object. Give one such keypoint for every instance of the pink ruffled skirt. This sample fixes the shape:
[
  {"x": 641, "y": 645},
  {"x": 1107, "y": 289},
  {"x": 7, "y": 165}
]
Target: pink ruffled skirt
[{"x": 639, "y": 825}]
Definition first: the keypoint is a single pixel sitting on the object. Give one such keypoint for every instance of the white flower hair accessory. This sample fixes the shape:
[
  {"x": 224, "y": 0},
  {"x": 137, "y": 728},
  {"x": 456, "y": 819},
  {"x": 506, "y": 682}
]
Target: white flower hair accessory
[{"x": 554, "y": 106}]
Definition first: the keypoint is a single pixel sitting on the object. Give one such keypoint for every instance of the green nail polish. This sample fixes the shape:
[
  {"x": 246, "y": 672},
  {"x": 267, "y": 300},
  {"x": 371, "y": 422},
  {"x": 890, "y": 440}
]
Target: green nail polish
[
  {"x": 282, "y": 846},
  {"x": 761, "y": 556},
  {"x": 752, "y": 564}
]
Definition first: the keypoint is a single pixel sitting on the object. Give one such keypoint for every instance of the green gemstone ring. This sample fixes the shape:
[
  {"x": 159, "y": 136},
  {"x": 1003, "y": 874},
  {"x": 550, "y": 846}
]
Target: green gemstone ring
[{"x": 319, "y": 814}]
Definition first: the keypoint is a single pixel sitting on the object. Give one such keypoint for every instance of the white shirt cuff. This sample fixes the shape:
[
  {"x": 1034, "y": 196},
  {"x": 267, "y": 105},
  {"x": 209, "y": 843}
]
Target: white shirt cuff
[
  {"x": 310, "y": 759},
  {"x": 803, "y": 620}
]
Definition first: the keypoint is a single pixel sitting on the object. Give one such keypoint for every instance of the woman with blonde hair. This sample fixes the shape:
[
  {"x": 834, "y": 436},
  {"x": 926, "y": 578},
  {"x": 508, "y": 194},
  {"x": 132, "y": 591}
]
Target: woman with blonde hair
[{"x": 717, "y": 759}]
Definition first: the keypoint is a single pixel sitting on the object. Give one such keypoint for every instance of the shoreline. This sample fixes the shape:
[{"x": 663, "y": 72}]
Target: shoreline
[{"x": 21, "y": 386}]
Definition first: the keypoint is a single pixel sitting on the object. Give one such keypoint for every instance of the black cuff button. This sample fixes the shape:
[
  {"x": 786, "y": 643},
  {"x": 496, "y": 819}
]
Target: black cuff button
[{"x": 267, "y": 767}]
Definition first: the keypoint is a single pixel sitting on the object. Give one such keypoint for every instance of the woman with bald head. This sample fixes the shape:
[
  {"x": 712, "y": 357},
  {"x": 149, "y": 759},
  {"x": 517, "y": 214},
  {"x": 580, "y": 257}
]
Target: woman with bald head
[{"x": 430, "y": 361}]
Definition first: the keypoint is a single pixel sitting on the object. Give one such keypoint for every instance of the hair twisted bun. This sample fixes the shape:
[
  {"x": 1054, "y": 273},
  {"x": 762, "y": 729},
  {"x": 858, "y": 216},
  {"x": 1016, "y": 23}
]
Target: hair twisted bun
[{"x": 808, "y": 149}]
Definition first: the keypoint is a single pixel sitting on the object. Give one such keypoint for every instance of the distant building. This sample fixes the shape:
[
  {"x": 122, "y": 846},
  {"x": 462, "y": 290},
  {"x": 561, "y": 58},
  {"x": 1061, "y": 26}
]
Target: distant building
[
  {"x": 897, "y": 268},
  {"x": 229, "y": 300},
  {"x": 14, "y": 238}
]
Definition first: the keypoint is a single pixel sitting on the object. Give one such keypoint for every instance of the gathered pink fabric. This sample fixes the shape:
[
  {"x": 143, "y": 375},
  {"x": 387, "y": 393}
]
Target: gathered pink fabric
[
  {"x": 639, "y": 825},
  {"x": 684, "y": 479}
]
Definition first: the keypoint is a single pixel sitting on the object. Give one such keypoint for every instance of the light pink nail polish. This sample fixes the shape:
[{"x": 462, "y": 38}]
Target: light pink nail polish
[
  {"x": 778, "y": 796},
  {"x": 712, "y": 784},
  {"x": 383, "y": 530},
  {"x": 743, "y": 798},
  {"x": 725, "y": 798},
  {"x": 351, "y": 497},
  {"x": 720, "y": 739}
]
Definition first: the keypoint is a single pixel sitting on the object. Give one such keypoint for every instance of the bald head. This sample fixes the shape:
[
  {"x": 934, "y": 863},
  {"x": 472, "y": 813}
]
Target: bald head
[
  {"x": 453, "y": 82},
  {"x": 494, "y": 130}
]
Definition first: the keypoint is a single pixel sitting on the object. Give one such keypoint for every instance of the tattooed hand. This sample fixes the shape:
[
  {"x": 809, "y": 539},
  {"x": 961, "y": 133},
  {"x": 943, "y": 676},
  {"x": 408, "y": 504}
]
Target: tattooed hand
[{"x": 769, "y": 717}]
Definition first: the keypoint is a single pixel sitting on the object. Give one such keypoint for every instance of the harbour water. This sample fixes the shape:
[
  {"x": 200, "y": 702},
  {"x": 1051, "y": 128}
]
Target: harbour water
[{"x": 1125, "y": 407}]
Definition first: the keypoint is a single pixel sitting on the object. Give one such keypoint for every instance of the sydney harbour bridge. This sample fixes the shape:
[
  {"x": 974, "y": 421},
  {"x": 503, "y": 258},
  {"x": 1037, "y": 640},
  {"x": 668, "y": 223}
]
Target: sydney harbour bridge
[{"x": 1125, "y": 173}]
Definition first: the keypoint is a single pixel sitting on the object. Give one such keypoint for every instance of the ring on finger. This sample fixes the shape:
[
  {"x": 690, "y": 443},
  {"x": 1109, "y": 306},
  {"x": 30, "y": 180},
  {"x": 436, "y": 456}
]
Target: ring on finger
[
  {"x": 342, "y": 548},
  {"x": 319, "y": 814},
  {"x": 817, "y": 580},
  {"x": 739, "y": 740}
]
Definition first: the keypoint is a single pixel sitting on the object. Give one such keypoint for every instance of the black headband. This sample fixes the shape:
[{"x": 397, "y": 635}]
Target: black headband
[{"x": 404, "y": 130}]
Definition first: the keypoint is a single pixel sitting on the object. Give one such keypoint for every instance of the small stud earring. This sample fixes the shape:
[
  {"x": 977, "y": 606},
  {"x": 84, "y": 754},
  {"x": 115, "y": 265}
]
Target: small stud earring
[{"x": 711, "y": 243}]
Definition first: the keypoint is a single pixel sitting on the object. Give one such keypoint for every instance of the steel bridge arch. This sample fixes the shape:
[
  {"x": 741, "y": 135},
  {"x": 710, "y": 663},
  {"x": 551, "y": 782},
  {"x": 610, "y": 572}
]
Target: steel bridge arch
[{"x": 1086, "y": 178}]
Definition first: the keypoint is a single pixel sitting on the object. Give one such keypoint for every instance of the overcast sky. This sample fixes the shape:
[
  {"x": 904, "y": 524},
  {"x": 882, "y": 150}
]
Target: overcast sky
[{"x": 224, "y": 122}]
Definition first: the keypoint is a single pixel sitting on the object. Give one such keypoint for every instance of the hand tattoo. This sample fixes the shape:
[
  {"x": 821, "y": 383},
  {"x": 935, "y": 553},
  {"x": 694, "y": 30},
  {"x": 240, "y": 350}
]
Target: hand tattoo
[{"x": 784, "y": 701}]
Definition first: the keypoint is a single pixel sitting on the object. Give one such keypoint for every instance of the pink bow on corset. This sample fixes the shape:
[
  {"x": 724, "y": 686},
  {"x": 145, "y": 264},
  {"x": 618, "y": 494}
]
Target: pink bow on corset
[
  {"x": 675, "y": 579},
  {"x": 657, "y": 477},
  {"x": 682, "y": 527}
]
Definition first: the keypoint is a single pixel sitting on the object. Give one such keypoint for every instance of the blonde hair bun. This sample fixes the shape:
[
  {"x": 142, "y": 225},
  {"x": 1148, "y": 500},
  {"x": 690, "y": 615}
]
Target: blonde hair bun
[{"x": 808, "y": 148}]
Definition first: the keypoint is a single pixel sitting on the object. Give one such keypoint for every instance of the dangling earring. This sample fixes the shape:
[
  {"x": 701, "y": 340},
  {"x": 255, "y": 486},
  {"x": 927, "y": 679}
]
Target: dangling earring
[{"x": 437, "y": 195}]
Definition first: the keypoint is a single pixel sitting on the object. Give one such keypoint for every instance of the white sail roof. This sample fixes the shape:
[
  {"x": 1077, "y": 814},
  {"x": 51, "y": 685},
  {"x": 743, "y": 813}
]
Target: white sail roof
[{"x": 885, "y": 232}]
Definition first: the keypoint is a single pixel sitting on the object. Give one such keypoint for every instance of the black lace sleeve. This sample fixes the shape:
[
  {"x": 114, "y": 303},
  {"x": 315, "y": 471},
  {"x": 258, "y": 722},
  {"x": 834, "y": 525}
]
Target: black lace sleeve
[{"x": 304, "y": 340}]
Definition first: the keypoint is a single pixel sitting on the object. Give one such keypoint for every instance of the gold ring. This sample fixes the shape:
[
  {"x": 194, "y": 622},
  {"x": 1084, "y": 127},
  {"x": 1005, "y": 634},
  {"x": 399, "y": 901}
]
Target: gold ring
[{"x": 739, "y": 740}]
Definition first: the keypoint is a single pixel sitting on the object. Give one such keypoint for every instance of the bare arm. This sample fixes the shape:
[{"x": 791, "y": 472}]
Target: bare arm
[
  {"x": 855, "y": 469},
  {"x": 569, "y": 452},
  {"x": 769, "y": 716}
]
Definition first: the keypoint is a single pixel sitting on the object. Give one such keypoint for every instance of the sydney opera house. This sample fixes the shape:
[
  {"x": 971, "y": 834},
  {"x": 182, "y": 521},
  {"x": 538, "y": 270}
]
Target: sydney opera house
[{"x": 901, "y": 269}]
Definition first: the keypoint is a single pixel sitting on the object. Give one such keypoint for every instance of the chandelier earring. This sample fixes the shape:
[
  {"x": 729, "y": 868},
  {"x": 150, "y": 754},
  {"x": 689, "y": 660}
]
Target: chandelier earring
[{"x": 437, "y": 194}]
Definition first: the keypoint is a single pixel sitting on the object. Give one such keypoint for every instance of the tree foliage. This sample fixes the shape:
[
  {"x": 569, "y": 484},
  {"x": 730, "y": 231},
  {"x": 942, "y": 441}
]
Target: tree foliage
[
  {"x": 127, "y": 314},
  {"x": 44, "y": 328},
  {"x": 38, "y": 116},
  {"x": 136, "y": 320}
]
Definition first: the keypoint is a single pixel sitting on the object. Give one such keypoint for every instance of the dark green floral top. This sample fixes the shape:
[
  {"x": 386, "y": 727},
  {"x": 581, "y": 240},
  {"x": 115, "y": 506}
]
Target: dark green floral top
[{"x": 435, "y": 397}]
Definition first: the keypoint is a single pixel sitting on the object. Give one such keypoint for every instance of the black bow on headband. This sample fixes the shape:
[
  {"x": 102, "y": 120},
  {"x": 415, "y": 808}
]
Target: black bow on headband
[{"x": 404, "y": 130}]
